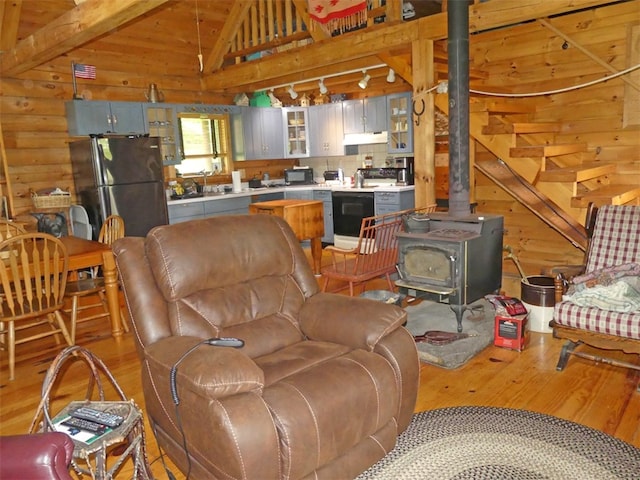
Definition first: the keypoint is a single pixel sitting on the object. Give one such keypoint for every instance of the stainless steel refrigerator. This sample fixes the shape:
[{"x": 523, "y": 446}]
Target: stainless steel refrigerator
[{"x": 120, "y": 175}]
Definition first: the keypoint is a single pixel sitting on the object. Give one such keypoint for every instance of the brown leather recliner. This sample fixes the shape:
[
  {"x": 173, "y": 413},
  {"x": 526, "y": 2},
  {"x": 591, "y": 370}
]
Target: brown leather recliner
[{"x": 323, "y": 384}]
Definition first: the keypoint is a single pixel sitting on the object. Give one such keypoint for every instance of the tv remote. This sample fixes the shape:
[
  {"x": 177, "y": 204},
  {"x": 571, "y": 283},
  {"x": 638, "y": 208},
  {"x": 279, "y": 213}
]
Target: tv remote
[
  {"x": 97, "y": 416},
  {"x": 85, "y": 425}
]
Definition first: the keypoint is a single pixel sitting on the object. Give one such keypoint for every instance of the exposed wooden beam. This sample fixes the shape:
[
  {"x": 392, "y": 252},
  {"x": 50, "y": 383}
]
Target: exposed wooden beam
[
  {"x": 78, "y": 26},
  {"x": 359, "y": 44},
  {"x": 233, "y": 22},
  {"x": 9, "y": 21},
  {"x": 546, "y": 23}
]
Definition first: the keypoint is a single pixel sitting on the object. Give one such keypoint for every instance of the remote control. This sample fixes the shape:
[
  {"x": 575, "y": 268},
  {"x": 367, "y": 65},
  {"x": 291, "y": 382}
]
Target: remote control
[
  {"x": 97, "y": 416},
  {"x": 85, "y": 425},
  {"x": 226, "y": 342}
]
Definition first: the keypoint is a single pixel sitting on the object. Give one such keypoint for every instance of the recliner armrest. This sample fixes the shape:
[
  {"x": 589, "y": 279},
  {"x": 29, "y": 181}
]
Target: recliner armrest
[
  {"x": 353, "y": 321},
  {"x": 40, "y": 455},
  {"x": 212, "y": 371}
]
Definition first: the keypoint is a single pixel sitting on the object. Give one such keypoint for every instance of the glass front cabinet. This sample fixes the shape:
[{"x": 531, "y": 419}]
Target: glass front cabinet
[
  {"x": 161, "y": 123},
  {"x": 296, "y": 130},
  {"x": 400, "y": 127}
]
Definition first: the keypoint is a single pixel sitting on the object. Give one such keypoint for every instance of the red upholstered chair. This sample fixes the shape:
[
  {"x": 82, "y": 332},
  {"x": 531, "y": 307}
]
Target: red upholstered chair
[
  {"x": 37, "y": 457},
  {"x": 595, "y": 317}
]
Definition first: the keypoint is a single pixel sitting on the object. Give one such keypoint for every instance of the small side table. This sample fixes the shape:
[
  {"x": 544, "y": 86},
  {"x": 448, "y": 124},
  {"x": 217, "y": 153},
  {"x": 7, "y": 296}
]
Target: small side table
[
  {"x": 305, "y": 217},
  {"x": 90, "y": 457}
]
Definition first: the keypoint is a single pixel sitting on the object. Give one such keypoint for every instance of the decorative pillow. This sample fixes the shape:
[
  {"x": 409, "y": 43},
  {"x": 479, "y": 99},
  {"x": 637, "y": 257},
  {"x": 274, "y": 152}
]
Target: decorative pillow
[{"x": 605, "y": 276}]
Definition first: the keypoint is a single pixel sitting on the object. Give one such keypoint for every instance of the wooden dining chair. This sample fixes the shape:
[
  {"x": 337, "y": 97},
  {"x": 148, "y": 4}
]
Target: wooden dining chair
[
  {"x": 81, "y": 287},
  {"x": 10, "y": 229},
  {"x": 33, "y": 277}
]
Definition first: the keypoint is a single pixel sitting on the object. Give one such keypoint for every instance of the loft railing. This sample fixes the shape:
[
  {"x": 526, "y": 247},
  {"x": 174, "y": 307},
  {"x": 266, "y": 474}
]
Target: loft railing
[{"x": 273, "y": 26}]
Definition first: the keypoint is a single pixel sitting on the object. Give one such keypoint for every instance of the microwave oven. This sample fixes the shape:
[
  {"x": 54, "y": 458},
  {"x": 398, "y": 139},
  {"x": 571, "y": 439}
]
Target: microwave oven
[{"x": 298, "y": 176}]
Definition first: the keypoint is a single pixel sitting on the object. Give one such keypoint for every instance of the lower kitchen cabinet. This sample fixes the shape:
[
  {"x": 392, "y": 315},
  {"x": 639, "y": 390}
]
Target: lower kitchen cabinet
[
  {"x": 266, "y": 197},
  {"x": 306, "y": 194},
  {"x": 183, "y": 212},
  {"x": 227, "y": 206},
  {"x": 389, "y": 202},
  {"x": 325, "y": 196}
]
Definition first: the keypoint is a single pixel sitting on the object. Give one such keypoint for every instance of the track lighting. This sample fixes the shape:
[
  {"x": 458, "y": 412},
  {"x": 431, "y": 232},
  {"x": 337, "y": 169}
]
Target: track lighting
[
  {"x": 391, "y": 76},
  {"x": 292, "y": 93},
  {"x": 322, "y": 87},
  {"x": 365, "y": 80}
]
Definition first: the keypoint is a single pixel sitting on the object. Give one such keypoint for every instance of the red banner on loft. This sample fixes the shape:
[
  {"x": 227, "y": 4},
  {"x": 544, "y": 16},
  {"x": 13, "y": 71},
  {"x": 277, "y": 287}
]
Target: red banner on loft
[{"x": 324, "y": 11}]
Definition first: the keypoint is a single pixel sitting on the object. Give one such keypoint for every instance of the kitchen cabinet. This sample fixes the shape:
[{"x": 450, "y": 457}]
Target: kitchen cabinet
[
  {"x": 97, "y": 117},
  {"x": 304, "y": 194},
  {"x": 296, "y": 138},
  {"x": 327, "y": 204},
  {"x": 266, "y": 197},
  {"x": 389, "y": 202},
  {"x": 327, "y": 130},
  {"x": 262, "y": 133},
  {"x": 162, "y": 122},
  {"x": 227, "y": 206},
  {"x": 183, "y": 212},
  {"x": 365, "y": 115},
  {"x": 400, "y": 124}
]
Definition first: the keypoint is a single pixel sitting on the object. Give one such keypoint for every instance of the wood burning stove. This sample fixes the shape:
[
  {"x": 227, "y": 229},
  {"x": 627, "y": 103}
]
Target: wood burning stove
[{"x": 455, "y": 260}]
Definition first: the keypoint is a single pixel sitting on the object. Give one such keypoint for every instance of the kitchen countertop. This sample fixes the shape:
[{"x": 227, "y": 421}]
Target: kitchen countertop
[{"x": 258, "y": 191}]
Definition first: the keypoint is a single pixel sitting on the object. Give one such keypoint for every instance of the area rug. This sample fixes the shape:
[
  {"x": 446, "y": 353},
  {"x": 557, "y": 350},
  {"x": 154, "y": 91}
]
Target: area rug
[
  {"x": 477, "y": 443},
  {"x": 477, "y": 321}
]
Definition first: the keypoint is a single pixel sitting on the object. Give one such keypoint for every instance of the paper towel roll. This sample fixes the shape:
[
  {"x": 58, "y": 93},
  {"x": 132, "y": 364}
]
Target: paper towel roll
[{"x": 237, "y": 182}]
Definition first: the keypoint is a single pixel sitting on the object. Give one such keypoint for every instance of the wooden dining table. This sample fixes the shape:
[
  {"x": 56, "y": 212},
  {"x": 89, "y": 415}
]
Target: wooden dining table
[{"x": 85, "y": 254}]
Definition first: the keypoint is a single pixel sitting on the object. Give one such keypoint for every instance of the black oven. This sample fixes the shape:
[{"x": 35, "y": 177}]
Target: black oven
[{"x": 349, "y": 208}]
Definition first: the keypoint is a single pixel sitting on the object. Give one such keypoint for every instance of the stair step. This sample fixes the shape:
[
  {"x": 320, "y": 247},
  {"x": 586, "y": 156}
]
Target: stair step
[
  {"x": 499, "y": 107},
  {"x": 607, "y": 195},
  {"x": 578, "y": 173},
  {"x": 515, "y": 128},
  {"x": 534, "y": 151}
]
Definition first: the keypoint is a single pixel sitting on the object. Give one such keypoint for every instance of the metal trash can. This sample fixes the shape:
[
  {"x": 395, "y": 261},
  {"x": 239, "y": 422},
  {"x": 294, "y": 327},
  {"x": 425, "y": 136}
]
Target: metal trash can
[
  {"x": 539, "y": 298},
  {"x": 384, "y": 296}
]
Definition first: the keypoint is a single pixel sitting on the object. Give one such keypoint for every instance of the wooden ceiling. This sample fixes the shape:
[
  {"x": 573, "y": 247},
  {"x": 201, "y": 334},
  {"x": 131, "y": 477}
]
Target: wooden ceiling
[{"x": 162, "y": 38}]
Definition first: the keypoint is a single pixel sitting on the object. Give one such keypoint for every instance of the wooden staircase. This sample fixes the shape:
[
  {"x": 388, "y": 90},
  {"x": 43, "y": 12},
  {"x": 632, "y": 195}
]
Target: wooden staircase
[{"x": 556, "y": 181}]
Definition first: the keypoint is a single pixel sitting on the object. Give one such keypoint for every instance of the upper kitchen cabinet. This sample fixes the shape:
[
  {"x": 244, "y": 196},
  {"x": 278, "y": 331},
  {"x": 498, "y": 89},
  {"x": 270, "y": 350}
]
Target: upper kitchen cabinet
[
  {"x": 400, "y": 125},
  {"x": 326, "y": 129},
  {"x": 162, "y": 123},
  {"x": 259, "y": 133},
  {"x": 365, "y": 116},
  {"x": 96, "y": 117},
  {"x": 295, "y": 131}
]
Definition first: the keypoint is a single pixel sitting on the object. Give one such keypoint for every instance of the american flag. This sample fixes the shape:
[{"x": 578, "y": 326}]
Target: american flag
[{"x": 84, "y": 71}]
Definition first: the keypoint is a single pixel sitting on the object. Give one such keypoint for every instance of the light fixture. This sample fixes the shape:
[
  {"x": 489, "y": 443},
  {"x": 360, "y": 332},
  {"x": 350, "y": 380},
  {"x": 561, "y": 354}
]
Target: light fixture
[
  {"x": 292, "y": 93},
  {"x": 391, "y": 76},
  {"x": 322, "y": 87},
  {"x": 365, "y": 80}
]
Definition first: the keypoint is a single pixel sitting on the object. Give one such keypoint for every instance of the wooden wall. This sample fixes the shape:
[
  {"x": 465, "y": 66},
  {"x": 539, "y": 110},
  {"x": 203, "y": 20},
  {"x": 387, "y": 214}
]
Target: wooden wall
[
  {"x": 531, "y": 58},
  {"x": 522, "y": 58}
]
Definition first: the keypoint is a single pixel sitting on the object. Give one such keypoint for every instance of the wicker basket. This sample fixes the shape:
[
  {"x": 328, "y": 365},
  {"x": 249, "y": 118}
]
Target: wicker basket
[{"x": 56, "y": 200}]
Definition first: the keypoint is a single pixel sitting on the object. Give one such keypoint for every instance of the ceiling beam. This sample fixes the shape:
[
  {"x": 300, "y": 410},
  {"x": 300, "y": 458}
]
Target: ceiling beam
[
  {"x": 87, "y": 21},
  {"x": 9, "y": 21},
  {"x": 222, "y": 45},
  {"x": 377, "y": 39}
]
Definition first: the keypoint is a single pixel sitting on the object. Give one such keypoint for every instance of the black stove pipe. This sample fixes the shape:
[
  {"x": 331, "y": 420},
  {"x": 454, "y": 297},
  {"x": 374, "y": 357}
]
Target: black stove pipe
[{"x": 458, "y": 61}]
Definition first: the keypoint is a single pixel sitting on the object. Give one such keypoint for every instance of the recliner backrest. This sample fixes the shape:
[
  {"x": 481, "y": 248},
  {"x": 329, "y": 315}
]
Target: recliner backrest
[
  {"x": 616, "y": 237},
  {"x": 216, "y": 277}
]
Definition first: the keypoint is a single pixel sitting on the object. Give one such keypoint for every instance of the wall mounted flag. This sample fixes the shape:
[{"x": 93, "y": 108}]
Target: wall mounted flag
[{"x": 84, "y": 71}]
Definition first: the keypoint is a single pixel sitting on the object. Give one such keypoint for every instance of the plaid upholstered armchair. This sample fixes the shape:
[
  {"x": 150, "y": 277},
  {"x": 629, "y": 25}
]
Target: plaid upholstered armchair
[{"x": 601, "y": 306}]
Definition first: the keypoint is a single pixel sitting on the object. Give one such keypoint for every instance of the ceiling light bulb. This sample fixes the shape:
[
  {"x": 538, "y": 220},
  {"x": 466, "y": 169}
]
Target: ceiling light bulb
[
  {"x": 391, "y": 76},
  {"x": 321, "y": 85},
  {"x": 292, "y": 93},
  {"x": 365, "y": 80}
]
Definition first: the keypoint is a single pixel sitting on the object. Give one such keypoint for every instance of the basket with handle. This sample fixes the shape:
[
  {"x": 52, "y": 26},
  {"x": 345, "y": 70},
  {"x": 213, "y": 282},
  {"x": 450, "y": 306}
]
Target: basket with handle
[{"x": 56, "y": 199}]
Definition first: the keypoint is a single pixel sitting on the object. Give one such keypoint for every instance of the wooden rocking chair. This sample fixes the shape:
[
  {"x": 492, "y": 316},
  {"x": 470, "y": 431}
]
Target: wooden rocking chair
[
  {"x": 375, "y": 255},
  {"x": 613, "y": 249}
]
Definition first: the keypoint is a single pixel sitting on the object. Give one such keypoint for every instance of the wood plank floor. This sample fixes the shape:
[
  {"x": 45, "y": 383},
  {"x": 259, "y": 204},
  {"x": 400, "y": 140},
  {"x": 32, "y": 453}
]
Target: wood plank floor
[{"x": 600, "y": 396}]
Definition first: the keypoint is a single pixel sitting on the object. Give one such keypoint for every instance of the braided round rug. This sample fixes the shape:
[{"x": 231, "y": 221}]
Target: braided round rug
[{"x": 477, "y": 443}]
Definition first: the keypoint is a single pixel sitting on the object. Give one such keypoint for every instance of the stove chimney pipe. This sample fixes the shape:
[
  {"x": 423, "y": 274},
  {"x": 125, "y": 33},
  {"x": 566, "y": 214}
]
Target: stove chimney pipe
[{"x": 458, "y": 61}]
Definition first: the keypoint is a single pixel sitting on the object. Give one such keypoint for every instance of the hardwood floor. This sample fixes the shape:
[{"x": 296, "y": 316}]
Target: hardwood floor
[{"x": 600, "y": 396}]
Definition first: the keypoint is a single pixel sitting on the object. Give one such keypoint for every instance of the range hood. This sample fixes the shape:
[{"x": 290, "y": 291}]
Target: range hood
[{"x": 365, "y": 138}]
